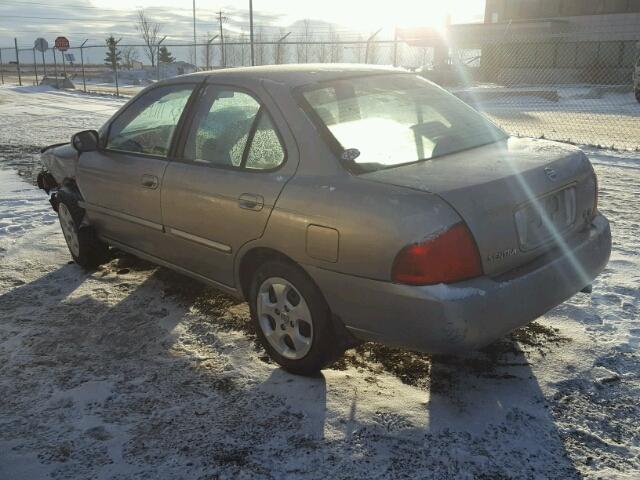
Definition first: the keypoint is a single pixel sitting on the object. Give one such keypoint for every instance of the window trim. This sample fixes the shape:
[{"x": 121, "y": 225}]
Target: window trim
[
  {"x": 196, "y": 86},
  {"x": 262, "y": 110}
]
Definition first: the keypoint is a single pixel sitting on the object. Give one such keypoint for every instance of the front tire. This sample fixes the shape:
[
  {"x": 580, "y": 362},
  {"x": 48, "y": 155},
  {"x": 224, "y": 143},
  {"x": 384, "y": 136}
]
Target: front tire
[
  {"x": 638, "y": 95},
  {"x": 292, "y": 319},
  {"x": 85, "y": 247}
]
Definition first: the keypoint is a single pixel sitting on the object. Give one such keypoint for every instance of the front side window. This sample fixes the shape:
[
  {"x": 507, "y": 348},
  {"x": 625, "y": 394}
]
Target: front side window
[
  {"x": 397, "y": 119},
  {"x": 231, "y": 129},
  {"x": 147, "y": 126}
]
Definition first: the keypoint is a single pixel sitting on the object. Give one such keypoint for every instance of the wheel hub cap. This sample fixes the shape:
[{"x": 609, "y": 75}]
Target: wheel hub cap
[{"x": 284, "y": 318}]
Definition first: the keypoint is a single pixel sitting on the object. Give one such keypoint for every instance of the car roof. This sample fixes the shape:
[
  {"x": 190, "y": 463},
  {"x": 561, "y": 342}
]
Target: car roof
[{"x": 296, "y": 75}]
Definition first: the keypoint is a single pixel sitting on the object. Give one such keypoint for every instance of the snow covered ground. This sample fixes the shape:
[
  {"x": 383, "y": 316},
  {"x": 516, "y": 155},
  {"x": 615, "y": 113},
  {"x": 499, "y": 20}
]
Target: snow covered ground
[
  {"x": 579, "y": 115},
  {"x": 133, "y": 371}
]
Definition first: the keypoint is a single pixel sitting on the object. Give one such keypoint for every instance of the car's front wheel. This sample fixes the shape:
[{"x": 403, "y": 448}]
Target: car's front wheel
[
  {"x": 638, "y": 95},
  {"x": 85, "y": 247},
  {"x": 292, "y": 319}
]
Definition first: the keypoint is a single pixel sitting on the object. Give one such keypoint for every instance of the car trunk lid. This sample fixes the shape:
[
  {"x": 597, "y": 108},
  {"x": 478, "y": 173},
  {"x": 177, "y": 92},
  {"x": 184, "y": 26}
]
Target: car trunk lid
[{"x": 519, "y": 197}]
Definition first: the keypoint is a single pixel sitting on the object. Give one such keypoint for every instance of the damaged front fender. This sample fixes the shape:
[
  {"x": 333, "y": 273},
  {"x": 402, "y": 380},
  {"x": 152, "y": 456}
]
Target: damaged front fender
[{"x": 60, "y": 162}]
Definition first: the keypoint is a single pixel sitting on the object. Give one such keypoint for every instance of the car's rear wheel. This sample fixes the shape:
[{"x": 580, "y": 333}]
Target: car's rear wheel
[
  {"x": 292, "y": 319},
  {"x": 638, "y": 95},
  {"x": 85, "y": 247}
]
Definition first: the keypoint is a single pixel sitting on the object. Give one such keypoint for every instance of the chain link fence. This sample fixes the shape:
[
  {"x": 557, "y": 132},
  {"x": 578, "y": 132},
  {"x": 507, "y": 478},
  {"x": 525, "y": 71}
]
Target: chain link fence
[
  {"x": 580, "y": 87},
  {"x": 563, "y": 86}
]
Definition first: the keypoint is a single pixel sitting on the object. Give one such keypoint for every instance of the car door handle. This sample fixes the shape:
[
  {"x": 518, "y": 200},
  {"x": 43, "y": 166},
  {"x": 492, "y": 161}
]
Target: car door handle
[
  {"x": 250, "y": 201},
  {"x": 149, "y": 181}
]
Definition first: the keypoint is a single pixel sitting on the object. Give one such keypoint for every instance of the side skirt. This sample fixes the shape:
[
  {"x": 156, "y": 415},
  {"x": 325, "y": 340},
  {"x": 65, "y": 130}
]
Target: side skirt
[{"x": 220, "y": 286}]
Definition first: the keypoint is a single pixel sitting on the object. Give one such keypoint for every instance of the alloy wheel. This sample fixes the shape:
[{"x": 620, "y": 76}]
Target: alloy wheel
[{"x": 284, "y": 318}]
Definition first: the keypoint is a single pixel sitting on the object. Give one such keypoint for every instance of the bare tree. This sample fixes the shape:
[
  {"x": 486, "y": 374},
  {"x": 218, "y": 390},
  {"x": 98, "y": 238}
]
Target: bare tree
[
  {"x": 129, "y": 55},
  {"x": 150, "y": 32},
  {"x": 323, "y": 52},
  {"x": 361, "y": 49},
  {"x": 336, "y": 47},
  {"x": 259, "y": 47},
  {"x": 235, "y": 51},
  {"x": 232, "y": 53},
  {"x": 303, "y": 47},
  {"x": 243, "y": 49}
]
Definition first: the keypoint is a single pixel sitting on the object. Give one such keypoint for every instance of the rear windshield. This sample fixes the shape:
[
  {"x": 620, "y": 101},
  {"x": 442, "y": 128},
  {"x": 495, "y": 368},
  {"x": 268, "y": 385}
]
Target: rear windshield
[{"x": 389, "y": 120}]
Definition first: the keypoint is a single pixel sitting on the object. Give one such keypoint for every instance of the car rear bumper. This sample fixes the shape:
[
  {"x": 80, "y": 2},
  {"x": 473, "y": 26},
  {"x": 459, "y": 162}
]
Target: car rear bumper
[{"x": 470, "y": 314}]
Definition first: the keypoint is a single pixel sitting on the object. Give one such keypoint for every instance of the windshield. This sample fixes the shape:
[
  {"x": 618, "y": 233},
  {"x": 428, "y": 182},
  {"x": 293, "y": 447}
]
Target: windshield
[{"x": 396, "y": 119}]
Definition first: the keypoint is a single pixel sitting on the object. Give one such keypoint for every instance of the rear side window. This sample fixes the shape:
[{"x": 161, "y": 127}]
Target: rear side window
[
  {"x": 147, "y": 126},
  {"x": 265, "y": 152},
  {"x": 231, "y": 129}
]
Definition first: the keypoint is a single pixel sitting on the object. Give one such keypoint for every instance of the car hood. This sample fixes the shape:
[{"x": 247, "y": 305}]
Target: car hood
[{"x": 489, "y": 184}]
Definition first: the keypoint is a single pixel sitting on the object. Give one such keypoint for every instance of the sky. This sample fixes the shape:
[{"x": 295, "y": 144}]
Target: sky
[{"x": 94, "y": 20}]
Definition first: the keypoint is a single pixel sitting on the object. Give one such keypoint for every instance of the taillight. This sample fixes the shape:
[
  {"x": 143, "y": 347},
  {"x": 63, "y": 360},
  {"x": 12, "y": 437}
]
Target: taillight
[{"x": 450, "y": 257}]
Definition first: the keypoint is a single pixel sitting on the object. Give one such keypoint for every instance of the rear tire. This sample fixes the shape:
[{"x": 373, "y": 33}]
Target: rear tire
[
  {"x": 86, "y": 249},
  {"x": 638, "y": 95},
  {"x": 292, "y": 319}
]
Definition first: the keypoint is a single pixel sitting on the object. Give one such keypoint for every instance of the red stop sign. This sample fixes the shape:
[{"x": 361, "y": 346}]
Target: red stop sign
[{"x": 62, "y": 43}]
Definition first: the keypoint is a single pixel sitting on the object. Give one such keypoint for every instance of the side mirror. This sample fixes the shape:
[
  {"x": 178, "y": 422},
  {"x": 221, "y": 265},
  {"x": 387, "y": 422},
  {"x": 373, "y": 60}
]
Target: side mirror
[{"x": 85, "y": 141}]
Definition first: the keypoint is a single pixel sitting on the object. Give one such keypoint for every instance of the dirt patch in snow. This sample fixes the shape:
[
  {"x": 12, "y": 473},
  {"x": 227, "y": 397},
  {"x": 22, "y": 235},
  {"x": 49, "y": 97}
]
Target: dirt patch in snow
[
  {"x": 24, "y": 159},
  {"x": 414, "y": 368}
]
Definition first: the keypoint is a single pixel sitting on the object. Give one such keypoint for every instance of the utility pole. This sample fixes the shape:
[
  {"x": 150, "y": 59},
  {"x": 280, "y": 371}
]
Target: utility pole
[
  {"x": 195, "y": 47},
  {"x": 251, "y": 31},
  {"x": 221, "y": 19}
]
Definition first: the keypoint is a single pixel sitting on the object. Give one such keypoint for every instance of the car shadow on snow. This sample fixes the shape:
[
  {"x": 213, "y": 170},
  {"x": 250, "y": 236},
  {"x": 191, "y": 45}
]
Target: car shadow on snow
[
  {"x": 487, "y": 407},
  {"x": 178, "y": 393}
]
